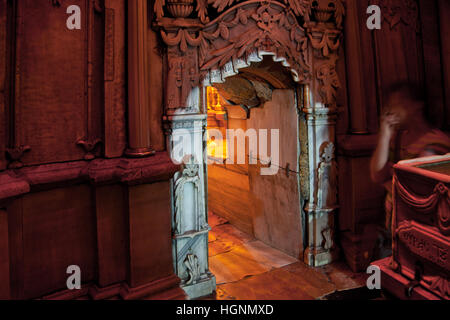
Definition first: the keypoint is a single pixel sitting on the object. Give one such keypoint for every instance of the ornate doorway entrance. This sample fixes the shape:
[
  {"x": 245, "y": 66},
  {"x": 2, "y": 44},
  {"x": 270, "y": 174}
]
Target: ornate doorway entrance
[
  {"x": 253, "y": 155},
  {"x": 209, "y": 41}
]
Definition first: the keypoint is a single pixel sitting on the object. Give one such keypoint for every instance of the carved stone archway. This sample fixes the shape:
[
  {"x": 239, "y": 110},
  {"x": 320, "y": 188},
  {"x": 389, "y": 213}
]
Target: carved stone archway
[{"x": 209, "y": 40}]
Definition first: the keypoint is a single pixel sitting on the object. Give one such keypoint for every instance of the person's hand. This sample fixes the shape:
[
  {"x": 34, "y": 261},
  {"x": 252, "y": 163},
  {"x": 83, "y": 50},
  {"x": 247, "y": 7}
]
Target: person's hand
[{"x": 389, "y": 121}]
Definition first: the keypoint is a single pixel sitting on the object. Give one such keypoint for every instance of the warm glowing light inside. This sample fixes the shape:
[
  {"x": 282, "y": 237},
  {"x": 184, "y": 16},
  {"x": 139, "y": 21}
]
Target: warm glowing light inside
[
  {"x": 216, "y": 144},
  {"x": 213, "y": 99}
]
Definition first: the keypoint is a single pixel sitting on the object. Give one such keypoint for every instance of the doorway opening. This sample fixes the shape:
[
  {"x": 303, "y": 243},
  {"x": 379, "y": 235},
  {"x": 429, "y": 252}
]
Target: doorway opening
[{"x": 253, "y": 148}]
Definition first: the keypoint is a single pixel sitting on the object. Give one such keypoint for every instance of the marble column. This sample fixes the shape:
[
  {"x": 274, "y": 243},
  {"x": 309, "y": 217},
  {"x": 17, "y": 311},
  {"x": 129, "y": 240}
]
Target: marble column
[
  {"x": 186, "y": 134},
  {"x": 319, "y": 183}
]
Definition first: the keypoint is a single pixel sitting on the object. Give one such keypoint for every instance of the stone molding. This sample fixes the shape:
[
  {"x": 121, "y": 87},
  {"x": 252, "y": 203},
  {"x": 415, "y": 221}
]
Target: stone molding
[{"x": 18, "y": 182}]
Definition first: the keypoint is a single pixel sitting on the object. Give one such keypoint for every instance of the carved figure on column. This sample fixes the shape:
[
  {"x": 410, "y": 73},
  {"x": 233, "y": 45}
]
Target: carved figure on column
[
  {"x": 189, "y": 175},
  {"x": 329, "y": 82},
  {"x": 327, "y": 179},
  {"x": 182, "y": 78},
  {"x": 174, "y": 82},
  {"x": 328, "y": 238}
]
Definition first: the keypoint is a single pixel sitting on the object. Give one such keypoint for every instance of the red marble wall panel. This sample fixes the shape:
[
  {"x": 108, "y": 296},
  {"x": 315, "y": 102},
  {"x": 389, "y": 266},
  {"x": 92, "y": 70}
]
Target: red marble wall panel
[
  {"x": 50, "y": 231},
  {"x": 444, "y": 23},
  {"x": 432, "y": 61},
  {"x": 111, "y": 235},
  {"x": 4, "y": 257},
  {"x": 3, "y": 75},
  {"x": 56, "y": 103},
  {"x": 150, "y": 230}
]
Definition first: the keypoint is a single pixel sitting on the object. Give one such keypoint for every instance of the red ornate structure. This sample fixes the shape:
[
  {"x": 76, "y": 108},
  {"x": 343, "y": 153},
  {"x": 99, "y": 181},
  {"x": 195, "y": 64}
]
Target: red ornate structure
[{"x": 421, "y": 230}]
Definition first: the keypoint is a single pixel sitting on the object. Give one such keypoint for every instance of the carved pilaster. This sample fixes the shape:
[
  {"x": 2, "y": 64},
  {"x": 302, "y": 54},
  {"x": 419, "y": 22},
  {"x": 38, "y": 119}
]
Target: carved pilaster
[
  {"x": 190, "y": 228},
  {"x": 320, "y": 112},
  {"x": 321, "y": 202},
  {"x": 138, "y": 68}
]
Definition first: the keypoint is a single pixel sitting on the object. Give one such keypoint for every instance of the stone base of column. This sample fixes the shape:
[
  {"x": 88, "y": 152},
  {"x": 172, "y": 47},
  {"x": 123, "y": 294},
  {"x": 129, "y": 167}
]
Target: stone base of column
[
  {"x": 318, "y": 257},
  {"x": 190, "y": 253},
  {"x": 321, "y": 246}
]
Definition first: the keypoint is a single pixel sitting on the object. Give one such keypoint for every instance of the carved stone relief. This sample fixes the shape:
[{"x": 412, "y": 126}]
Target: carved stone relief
[
  {"x": 182, "y": 78},
  {"x": 400, "y": 11},
  {"x": 15, "y": 155},
  {"x": 189, "y": 175},
  {"x": 301, "y": 33},
  {"x": 193, "y": 268},
  {"x": 441, "y": 285},
  {"x": 328, "y": 238},
  {"x": 89, "y": 147}
]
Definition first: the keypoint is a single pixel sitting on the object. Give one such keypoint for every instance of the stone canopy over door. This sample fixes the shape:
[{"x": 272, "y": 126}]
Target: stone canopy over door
[{"x": 208, "y": 41}]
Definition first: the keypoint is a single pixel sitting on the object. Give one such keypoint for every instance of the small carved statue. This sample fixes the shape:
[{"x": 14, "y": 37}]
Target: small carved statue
[
  {"x": 327, "y": 177},
  {"x": 329, "y": 82}
]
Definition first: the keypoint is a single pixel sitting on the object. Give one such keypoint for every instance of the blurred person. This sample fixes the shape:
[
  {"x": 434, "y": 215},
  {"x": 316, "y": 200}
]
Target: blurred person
[{"x": 404, "y": 134}]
